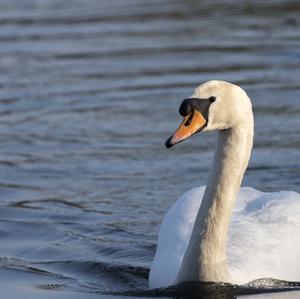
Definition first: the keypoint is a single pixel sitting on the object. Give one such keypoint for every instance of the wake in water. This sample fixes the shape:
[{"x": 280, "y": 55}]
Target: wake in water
[{"x": 124, "y": 280}]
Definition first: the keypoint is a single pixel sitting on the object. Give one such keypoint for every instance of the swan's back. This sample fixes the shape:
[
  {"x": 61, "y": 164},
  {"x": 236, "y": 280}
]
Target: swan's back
[{"x": 263, "y": 241}]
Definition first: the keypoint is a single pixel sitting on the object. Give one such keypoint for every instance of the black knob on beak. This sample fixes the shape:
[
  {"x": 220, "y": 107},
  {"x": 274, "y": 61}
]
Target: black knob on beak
[{"x": 185, "y": 107}]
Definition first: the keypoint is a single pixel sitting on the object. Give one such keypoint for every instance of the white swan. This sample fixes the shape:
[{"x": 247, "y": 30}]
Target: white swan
[{"x": 264, "y": 233}]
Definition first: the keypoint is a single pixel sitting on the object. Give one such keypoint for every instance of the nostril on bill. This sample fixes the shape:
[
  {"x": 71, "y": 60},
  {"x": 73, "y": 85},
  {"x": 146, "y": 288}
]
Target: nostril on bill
[{"x": 189, "y": 120}]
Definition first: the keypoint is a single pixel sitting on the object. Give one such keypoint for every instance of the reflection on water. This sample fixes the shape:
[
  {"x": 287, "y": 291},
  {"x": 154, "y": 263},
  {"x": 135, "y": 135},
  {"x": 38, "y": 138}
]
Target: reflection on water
[{"x": 89, "y": 91}]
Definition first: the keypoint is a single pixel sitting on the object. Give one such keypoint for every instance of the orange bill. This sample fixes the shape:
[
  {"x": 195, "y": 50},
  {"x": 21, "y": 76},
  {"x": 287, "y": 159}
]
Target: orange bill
[{"x": 192, "y": 123}]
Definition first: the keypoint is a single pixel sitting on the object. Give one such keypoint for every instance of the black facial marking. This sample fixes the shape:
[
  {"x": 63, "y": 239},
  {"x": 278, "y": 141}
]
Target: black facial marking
[{"x": 188, "y": 105}]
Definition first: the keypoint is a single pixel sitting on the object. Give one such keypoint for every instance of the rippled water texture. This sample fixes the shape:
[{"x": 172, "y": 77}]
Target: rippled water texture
[{"x": 89, "y": 91}]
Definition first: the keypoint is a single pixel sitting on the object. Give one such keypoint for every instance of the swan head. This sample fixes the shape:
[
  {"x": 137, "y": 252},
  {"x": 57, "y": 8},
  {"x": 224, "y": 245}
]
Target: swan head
[{"x": 214, "y": 105}]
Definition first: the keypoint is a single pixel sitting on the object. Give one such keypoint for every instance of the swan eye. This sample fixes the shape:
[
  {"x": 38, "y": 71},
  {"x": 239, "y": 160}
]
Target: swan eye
[{"x": 212, "y": 99}]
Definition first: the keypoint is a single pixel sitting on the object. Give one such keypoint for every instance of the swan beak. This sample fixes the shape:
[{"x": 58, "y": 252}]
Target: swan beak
[{"x": 192, "y": 123}]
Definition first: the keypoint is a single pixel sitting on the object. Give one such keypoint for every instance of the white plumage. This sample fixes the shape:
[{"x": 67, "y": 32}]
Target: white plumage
[{"x": 263, "y": 241}]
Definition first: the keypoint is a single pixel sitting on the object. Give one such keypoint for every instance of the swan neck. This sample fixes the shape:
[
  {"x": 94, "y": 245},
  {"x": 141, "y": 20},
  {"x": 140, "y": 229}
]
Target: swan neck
[{"x": 206, "y": 258}]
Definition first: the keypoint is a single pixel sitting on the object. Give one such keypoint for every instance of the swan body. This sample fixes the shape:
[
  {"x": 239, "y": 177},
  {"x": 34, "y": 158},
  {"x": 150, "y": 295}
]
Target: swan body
[
  {"x": 206, "y": 236},
  {"x": 262, "y": 240}
]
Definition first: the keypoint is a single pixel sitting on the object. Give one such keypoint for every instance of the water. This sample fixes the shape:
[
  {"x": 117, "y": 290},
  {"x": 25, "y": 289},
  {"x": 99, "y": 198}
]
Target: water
[{"x": 89, "y": 91}]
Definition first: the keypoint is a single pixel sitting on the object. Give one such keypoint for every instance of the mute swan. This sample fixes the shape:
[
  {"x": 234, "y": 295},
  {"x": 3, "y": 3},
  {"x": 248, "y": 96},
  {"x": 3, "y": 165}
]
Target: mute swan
[{"x": 264, "y": 233}]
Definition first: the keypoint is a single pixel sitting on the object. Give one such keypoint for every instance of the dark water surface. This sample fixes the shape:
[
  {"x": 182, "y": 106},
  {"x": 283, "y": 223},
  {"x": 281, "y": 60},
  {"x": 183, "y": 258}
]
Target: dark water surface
[{"x": 89, "y": 91}]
